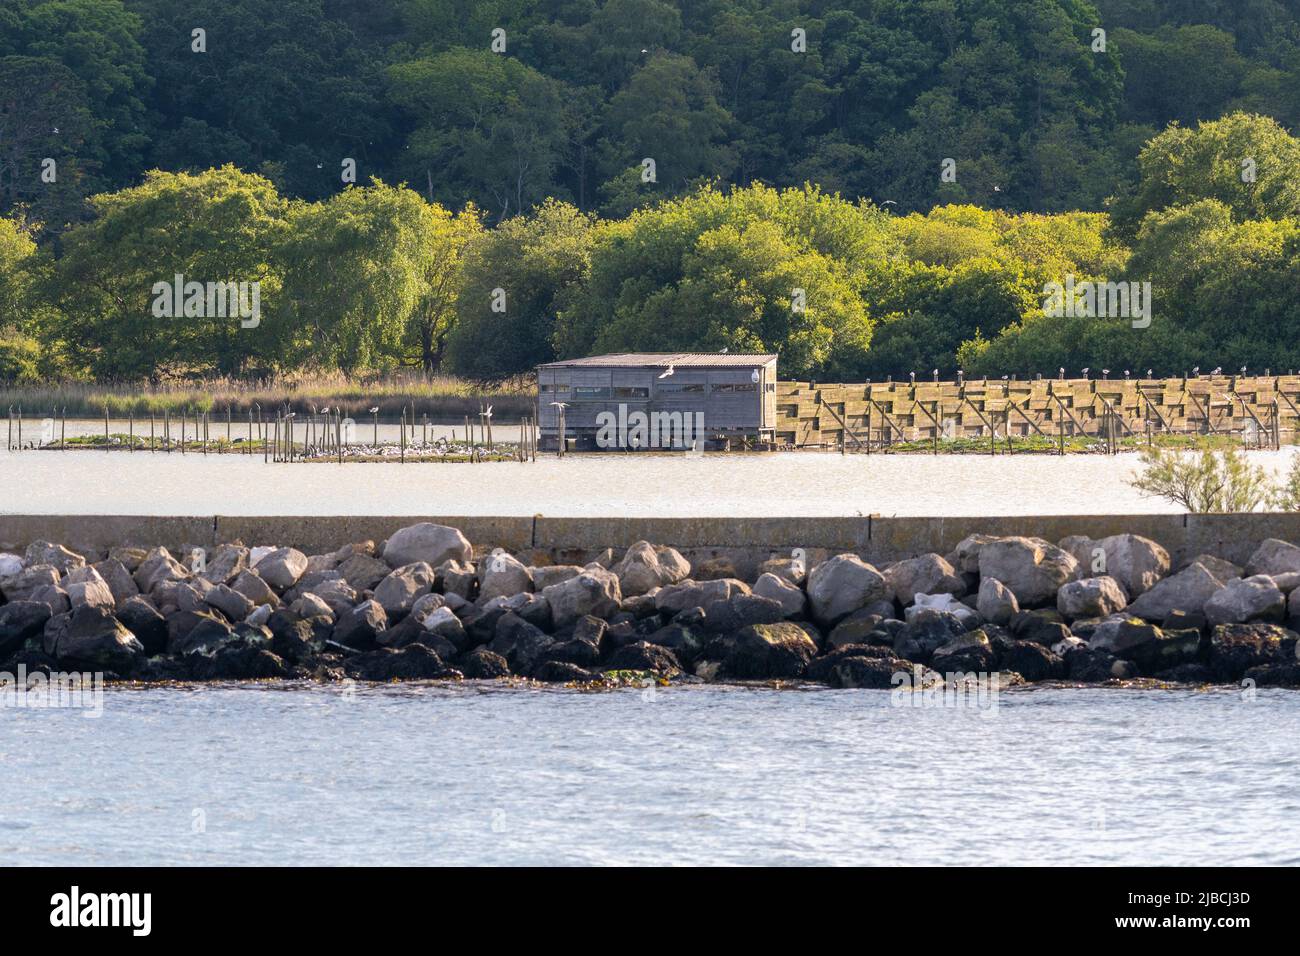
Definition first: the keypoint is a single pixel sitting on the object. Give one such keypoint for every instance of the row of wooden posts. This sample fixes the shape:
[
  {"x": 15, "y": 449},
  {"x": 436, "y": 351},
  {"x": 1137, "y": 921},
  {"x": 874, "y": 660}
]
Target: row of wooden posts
[
  {"x": 1267, "y": 433},
  {"x": 286, "y": 437}
]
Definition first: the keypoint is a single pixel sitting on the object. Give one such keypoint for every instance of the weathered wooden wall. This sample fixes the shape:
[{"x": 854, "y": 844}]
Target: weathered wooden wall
[{"x": 815, "y": 414}]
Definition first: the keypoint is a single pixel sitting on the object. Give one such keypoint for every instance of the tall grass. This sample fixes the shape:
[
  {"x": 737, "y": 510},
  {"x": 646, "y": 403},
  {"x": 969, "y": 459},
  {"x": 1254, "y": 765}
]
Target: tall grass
[{"x": 440, "y": 397}]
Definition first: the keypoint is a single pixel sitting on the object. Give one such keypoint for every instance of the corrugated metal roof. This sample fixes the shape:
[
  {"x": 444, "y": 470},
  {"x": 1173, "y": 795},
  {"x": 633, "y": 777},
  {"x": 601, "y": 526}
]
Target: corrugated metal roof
[{"x": 664, "y": 359}]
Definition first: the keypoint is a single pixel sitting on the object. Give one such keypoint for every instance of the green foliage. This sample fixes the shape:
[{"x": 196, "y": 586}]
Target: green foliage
[
  {"x": 537, "y": 262},
  {"x": 1244, "y": 161},
  {"x": 1013, "y": 90},
  {"x": 218, "y": 226},
  {"x": 711, "y": 271},
  {"x": 19, "y": 359},
  {"x": 491, "y": 129},
  {"x": 1287, "y": 495},
  {"x": 900, "y": 272},
  {"x": 369, "y": 272},
  {"x": 1204, "y": 482},
  {"x": 16, "y": 251}
]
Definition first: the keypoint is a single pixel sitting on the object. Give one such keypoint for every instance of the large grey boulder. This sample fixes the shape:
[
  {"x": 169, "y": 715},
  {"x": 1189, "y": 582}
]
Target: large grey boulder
[
  {"x": 1137, "y": 563},
  {"x": 24, "y": 585},
  {"x": 45, "y": 552},
  {"x": 54, "y": 596},
  {"x": 85, "y": 586},
  {"x": 19, "y": 621},
  {"x": 118, "y": 579},
  {"x": 431, "y": 543},
  {"x": 1221, "y": 569},
  {"x": 179, "y": 596},
  {"x": 250, "y": 585},
  {"x": 595, "y": 591},
  {"x": 926, "y": 574},
  {"x": 1187, "y": 591},
  {"x": 1273, "y": 557},
  {"x": 1246, "y": 599},
  {"x": 685, "y": 594},
  {"x": 995, "y": 603},
  {"x": 130, "y": 557},
  {"x": 544, "y": 577},
  {"x": 229, "y": 602},
  {"x": 1033, "y": 569},
  {"x": 157, "y": 568},
  {"x": 91, "y": 637},
  {"x": 646, "y": 566},
  {"x": 456, "y": 577},
  {"x": 142, "y": 619},
  {"x": 443, "y": 622},
  {"x": 777, "y": 588},
  {"x": 840, "y": 585},
  {"x": 225, "y": 564},
  {"x": 928, "y": 604},
  {"x": 398, "y": 592},
  {"x": 10, "y": 564},
  {"x": 282, "y": 568},
  {"x": 337, "y": 594},
  {"x": 361, "y": 626},
  {"x": 363, "y": 571},
  {"x": 792, "y": 570},
  {"x": 1090, "y": 597},
  {"x": 965, "y": 558},
  {"x": 503, "y": 575},
  {"x": 311, "y": 606}
]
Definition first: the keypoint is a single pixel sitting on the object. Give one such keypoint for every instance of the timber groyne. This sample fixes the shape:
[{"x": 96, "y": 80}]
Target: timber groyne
[{"x": 1263, "y": 410}]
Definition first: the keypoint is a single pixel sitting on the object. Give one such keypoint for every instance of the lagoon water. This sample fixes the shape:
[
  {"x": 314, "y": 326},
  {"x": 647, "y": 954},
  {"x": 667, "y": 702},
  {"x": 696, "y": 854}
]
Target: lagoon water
[
  {"x": 487, "y": 774},
  {"x": 795, "y": 483}
]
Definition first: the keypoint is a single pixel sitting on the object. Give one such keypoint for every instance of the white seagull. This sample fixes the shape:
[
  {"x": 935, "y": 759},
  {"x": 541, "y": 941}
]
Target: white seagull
[{"x": 668, "y": 372}]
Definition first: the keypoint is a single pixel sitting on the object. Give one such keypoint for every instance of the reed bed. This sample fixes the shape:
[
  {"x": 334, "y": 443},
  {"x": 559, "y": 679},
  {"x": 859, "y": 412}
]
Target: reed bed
[{"x": 441, "y": 398}]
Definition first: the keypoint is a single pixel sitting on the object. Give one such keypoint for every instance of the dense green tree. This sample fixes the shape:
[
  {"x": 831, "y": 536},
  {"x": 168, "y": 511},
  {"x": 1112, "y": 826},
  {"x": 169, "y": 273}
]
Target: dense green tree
[
  {"x": 98, "y": 43},
  {"x": 45, "y": 124},
  {"x": 515, "y": 279},
  {"x": 367, "y": 277},
  {"x": 1245, "y": 161},
  {"x": 754, "y": 270},
  {"x": 669, "y": 115},
  {"x": 218, "y": 226},
  {"x": 486, "y": 122},
  {"x": 281, "y": 88}
]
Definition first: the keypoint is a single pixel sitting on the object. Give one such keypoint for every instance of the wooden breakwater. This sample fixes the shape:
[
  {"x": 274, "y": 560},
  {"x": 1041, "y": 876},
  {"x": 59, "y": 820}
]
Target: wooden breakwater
[{"x": 1260, "y": 410}]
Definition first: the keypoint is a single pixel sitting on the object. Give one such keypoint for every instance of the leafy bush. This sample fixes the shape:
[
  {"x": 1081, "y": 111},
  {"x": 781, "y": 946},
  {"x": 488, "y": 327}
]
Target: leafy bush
[{"x": 1206, "y": 481}]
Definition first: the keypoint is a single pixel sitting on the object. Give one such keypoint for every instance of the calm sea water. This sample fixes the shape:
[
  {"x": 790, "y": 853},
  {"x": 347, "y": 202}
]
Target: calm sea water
[
  {"x": 707, "y": 775},
  {"x": 800, "y": 483}
]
